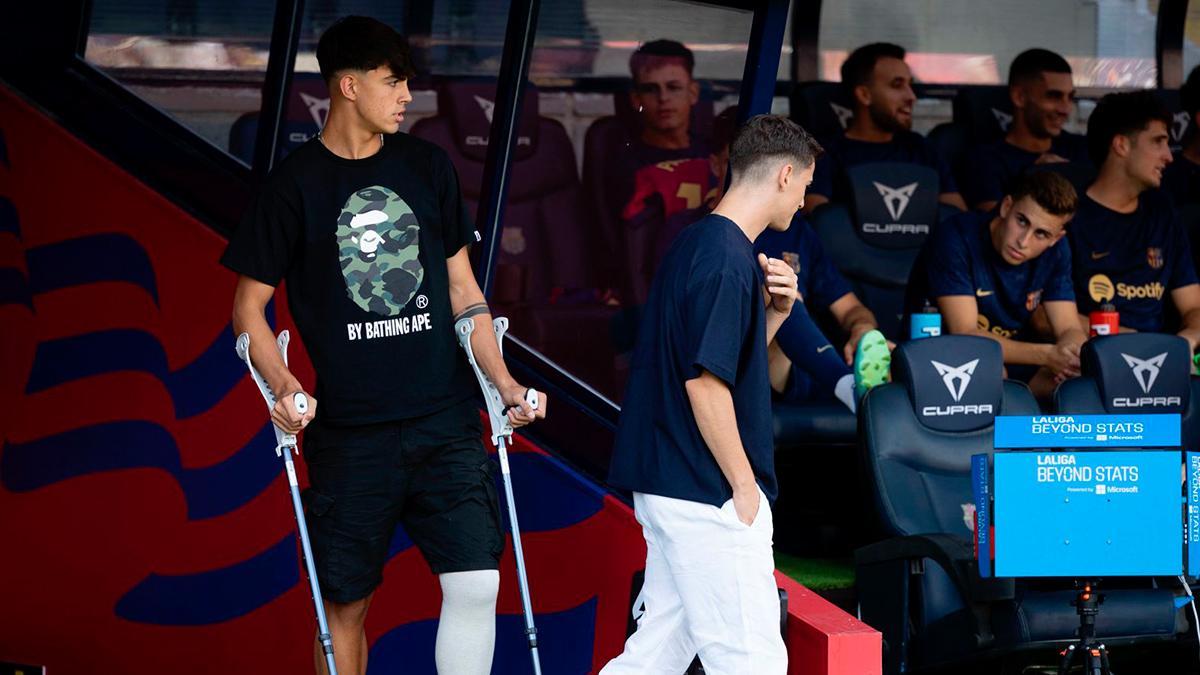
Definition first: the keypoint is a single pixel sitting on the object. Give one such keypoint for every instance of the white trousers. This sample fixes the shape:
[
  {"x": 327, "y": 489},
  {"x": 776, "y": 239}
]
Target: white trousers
[{"x": 709, "y": 590}]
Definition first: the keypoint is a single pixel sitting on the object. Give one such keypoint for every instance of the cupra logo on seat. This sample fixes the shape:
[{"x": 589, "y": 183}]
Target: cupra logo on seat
[
  {"x": 843, "y": 114},
  {"x": 956, "y": 378},
  {"x": 1145, "y": 371},
  {"x": 488, "y": 107},
  {"x": 896, "y": 198}
]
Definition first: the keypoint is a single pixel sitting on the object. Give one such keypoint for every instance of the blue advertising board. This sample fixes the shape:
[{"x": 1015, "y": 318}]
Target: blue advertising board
[
  {"x": 1087, "y": 431},
  {"x": 1087, "y": 514}
]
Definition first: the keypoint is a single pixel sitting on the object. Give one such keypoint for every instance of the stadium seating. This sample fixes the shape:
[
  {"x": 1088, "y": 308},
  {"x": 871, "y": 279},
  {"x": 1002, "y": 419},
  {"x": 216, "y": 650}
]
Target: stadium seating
[
  {"x": 874, "y": 239},
  {"x": 307, "y": 106},
  {"x": 921, "y": 587}
]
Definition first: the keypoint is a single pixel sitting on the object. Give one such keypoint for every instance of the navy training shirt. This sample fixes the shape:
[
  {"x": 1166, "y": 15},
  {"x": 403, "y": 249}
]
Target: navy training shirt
[
  {"x": 992, "y": 167},
  {"x": 819, "y": 281},
  {"x": 705, "y": 312},
  {"x": 959, "y": 259},
  {"x": 829, "y": 179},
  {"x": 1130, "y": 259}
]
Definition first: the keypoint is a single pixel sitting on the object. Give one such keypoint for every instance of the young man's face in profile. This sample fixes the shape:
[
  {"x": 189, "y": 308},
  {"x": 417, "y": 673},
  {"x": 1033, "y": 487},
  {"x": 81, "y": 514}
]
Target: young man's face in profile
[
  {"x": 1045, "y": 103},
  {"x": 791, "y": 198},
  {"x": 1149, "y": 153},
  {"x": 890, "y": 95},
  {"x": 381, "y": 99},
  {"x": 1025, "y": 230},
  {"x": 665, "y": 94}
]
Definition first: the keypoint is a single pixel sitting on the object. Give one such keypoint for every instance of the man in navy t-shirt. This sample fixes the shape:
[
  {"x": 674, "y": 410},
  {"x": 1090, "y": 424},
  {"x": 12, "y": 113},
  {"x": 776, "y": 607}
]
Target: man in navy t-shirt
[
  {"x": 1181, "y": 179},
  {"x": 1128, "y": 245},
  {"x": 808, "y": 366},
  {"x": 988, "y": 273},
  {"x": 1043, "y": 97},
  {"x": 694, "y": 443},
  {"x": 880, "y": 84}
]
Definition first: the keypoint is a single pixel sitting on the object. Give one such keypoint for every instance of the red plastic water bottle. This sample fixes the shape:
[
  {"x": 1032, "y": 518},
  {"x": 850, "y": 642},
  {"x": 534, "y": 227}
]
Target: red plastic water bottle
[{"x": 1105, "y": 321}]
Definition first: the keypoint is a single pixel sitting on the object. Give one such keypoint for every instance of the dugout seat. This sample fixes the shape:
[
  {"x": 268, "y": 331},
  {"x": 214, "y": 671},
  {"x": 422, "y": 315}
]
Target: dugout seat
[
  {"x": 1135, "y": 373},
  {"x": 921, "y": 587},
  {"x": 824, "y": 109},
  {"x": 303, "y": 117},
  {"x": 875, "y": 239}
]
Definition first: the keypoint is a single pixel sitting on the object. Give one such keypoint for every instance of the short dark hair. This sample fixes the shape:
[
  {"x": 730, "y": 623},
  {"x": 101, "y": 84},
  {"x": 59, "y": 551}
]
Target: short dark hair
[
  {"x": 1189, "y": 95},
  {"x": 767, "y": 137},
  {"x": 363, "y": 43},
  {"x": 858, "y": 67},
  {"x": 1125, "y": 113},
  {"x": 655, "y": 51},
  {"x": 1049, "y": 189},
  {"x": 1031, "y": 63}
]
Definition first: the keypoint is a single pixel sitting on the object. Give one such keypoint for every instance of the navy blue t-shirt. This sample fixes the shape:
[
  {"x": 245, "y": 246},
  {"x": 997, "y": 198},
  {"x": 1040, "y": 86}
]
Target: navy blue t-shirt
[
  {"x": 705, "y": 312},
  {"x": 959, "y": 259},
  {"x": 992, "y": 167},
  {"x": 841, "y": 153},
  {"x": 1130, "y": 259},
  {"x": 818, "y": 279},
  {"x": 1181, "y": 180}
]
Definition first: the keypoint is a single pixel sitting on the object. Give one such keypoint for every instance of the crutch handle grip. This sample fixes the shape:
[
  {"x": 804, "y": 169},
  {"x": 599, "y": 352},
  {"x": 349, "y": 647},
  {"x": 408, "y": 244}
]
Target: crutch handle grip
[
  {"x": 301, "y": 402},
  {"x": 531, "y": 398}
]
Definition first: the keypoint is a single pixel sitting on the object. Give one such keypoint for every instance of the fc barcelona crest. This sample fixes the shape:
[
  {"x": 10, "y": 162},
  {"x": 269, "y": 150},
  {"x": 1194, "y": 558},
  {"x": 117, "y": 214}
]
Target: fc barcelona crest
[
  {"x": 1033, "y": 299},
  {"x": 792, "y": 259},
  {"x": 1154, "y": 257}
]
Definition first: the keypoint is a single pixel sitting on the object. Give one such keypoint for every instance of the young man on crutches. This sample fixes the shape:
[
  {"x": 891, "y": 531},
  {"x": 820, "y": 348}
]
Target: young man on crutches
[
  {"x": 370, "y": 231},
  {"x": 694, "y": 442}
]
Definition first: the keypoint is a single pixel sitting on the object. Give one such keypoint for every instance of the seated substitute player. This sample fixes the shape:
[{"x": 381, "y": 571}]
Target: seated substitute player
[
  {"x": 1128, "y": 245},
  {"x": 988, "y": 273},
  {"x": 1043, "y": 98},
  {"x": 880, "y": 85}
]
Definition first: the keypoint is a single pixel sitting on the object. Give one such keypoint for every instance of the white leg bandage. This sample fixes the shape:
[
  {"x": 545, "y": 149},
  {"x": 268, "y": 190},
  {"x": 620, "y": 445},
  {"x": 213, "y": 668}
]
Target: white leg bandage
[{"x": 466, "y": 636}]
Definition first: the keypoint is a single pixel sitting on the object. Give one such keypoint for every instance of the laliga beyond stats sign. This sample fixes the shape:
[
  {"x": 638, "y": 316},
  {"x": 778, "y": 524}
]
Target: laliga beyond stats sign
[
  {"x": 1076, "y": 512},
  {"x": 1087, "y": 431}
]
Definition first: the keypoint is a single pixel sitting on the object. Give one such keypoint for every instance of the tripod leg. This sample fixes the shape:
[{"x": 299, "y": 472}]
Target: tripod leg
[
  {"x": 1064, "y": 663},
  {"x": 519, "y": 553}
]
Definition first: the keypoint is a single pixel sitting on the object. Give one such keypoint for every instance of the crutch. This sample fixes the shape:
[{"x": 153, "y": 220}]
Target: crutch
[
  {"x": 286, "y": 445},
  {"x": 501, "y": 434}
]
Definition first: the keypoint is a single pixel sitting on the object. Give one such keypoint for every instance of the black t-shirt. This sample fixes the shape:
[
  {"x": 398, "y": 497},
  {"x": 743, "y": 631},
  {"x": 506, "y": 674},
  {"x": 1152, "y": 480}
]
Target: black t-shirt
[
  {"x": 363, "y": 246},
  {"x": 992, "y": 167},
  {"x": 705, "y": 312},
  {"x": 959, "y": 259},
  {"x": 1130, "y": 259},
  {"x": 841, "y": 153}
]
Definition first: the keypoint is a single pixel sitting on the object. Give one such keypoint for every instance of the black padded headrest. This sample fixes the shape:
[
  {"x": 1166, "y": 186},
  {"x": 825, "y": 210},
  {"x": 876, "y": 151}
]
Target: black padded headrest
[
  {"x": 1140, "y": 372},
  {"x": 469, "y": 106},
  {"x": 1180, "y": 119},
  {"x": 955, "y": 382},
  {"x": 824, "y": 109},
  {"x": 985, "y": 111},
  {"x": 895, "y": 204}
]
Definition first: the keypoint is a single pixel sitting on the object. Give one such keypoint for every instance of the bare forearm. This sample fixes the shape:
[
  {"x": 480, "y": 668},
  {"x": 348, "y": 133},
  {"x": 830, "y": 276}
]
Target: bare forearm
[
  {"x": 858, "y": 319},
  {"x": 1018, "y": 351},
  {"x": 774, "y": 322},
  {"x": 712, "y": 405},
  {"x": 469, "y": 302},
  {"x": 250, "y": 319}
]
